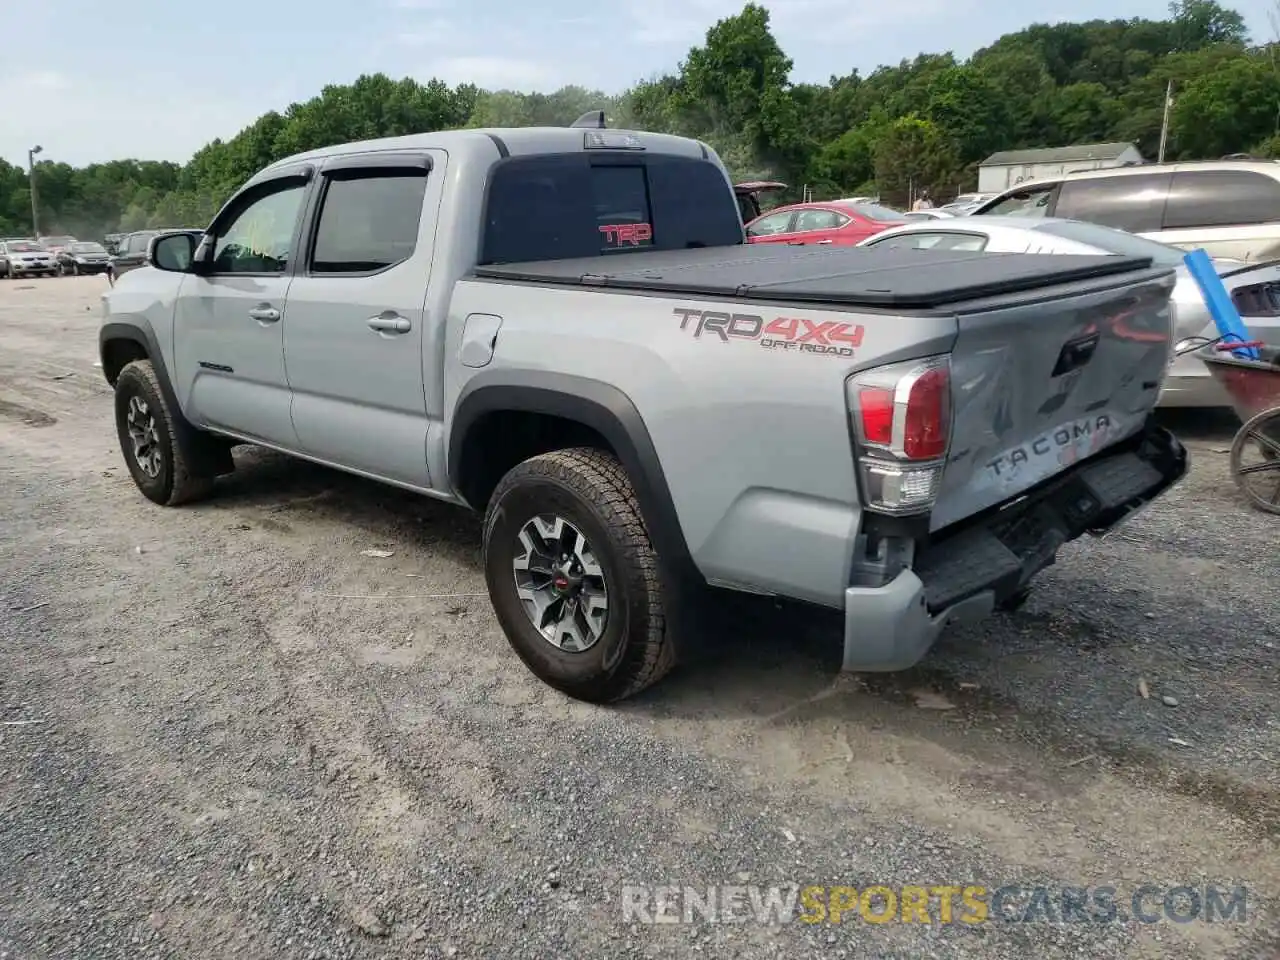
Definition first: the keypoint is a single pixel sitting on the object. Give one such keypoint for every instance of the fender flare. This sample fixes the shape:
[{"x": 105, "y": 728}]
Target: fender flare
[
  {"x": 209, "y": 458},
  {"x": 595, "y": 404}
]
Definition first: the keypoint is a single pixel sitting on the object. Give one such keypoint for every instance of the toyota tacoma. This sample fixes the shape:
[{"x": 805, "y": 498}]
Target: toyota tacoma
[{"x": 563, "y": 329}]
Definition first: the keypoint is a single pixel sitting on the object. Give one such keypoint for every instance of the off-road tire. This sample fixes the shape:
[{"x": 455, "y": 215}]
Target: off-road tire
[
  {"x": 177, "y": 482},
  {"x": 590, "y": 489}
]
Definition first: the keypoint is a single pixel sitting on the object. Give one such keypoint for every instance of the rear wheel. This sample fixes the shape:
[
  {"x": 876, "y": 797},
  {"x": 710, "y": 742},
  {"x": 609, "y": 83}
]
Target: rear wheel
[
  {"x": 573, "y": 578},
  {"x": 149, "y": 442}
]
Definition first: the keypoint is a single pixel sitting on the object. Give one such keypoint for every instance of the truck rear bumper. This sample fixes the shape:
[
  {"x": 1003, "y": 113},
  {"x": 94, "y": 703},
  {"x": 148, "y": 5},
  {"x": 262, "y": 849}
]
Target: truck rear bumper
[{"x": 982, "y": 561}]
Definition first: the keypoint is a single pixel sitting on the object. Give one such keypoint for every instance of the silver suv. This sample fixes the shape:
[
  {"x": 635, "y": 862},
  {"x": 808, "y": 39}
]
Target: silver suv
[{"x": 1229, "y": 208}]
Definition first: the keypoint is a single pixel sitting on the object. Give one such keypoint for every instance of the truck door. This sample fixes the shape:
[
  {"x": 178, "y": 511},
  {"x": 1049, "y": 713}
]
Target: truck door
[
  {"x": 357, "y": 327},
  {"x": 228, "y": 319}
]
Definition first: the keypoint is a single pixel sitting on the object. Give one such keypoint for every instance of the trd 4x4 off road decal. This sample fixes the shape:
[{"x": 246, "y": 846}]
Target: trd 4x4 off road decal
[{"x": 780, "y": 333}]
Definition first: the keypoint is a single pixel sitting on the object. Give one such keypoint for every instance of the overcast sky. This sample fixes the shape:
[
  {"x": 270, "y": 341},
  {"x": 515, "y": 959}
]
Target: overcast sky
[{"x": 156, "y": 80}]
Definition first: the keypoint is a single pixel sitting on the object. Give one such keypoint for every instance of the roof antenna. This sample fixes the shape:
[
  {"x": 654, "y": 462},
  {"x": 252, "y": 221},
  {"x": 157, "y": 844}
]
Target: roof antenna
[{"x": 591, "y": 120}]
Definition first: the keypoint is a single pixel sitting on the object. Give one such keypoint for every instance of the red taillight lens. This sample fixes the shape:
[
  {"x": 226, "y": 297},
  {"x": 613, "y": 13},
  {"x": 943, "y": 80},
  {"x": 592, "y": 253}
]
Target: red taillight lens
[
  {"x": 876, "y": 409},
  {"x": 928, "y": 420}
]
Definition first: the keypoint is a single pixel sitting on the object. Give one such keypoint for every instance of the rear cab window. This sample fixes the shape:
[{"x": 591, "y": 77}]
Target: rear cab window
[{"x": 561, "y": 206}]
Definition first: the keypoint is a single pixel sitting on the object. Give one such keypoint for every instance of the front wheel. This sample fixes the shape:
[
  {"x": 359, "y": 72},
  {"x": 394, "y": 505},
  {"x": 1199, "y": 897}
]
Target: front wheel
[
  {"x": 149, "y": 442},
  {"x": 573, "y": 578}
]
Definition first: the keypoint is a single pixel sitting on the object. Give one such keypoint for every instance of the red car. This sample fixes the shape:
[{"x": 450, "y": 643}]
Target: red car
[{"x": 835, "y": 222}]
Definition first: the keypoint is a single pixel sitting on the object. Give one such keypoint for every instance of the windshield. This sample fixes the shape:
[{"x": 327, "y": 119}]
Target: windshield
[
  {"x": 1113, "y": 241},
  {"x": 87, "y": 248},
  {"x": 25, "y": 246},
  {"x": 873, "y": 211},
  {"x": 58, "y": 241}
]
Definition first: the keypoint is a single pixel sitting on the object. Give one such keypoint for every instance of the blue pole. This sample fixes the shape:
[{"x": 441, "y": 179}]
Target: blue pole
[{"x": 1225, "y": 315}]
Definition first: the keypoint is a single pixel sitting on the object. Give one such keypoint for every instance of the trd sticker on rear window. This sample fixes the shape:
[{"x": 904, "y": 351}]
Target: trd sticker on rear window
[
  {"x": 779, "y": 333},
  {"x": 620, "y": 236}
]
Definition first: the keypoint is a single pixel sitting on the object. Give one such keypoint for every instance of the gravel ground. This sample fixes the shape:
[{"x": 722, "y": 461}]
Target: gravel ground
[{"x": 233, "y": 751}]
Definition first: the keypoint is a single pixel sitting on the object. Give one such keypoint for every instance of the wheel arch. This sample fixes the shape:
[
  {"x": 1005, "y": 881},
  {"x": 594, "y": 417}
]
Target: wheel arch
[
  {"x": 585, "y": 410},
  {"x": 119, "y": 344}
]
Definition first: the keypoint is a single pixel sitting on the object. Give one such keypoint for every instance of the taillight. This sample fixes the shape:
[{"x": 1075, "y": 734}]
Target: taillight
[{"x": 902, "y": 420}]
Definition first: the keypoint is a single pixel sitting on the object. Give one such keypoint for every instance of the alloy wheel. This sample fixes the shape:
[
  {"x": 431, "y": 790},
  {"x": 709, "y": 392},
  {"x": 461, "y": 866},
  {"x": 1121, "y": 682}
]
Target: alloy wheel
[
  {"x": 560, "y": 583},
  {"x": 144, "y": 437}
]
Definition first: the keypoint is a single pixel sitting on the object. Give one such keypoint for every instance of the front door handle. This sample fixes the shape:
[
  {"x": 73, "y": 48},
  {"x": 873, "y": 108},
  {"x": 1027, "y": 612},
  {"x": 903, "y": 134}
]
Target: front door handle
[
  {"x": 390, "y": 323},
  {"x": 826, "y": 241},
  {"x": 265, "y": 314},
  {"x": 795, "y": 243}
]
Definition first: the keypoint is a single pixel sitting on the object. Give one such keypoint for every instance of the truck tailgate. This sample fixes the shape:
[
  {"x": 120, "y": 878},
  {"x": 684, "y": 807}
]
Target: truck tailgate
[{"x": 1044, "y": 383}]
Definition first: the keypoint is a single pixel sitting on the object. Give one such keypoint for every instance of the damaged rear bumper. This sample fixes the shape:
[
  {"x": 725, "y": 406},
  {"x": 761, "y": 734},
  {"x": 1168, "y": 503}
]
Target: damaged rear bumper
[{"x": 980, "y": 562}]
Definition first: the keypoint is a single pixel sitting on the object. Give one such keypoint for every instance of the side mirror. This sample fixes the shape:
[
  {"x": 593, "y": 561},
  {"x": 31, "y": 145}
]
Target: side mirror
[{"x": 172, "y": 253}]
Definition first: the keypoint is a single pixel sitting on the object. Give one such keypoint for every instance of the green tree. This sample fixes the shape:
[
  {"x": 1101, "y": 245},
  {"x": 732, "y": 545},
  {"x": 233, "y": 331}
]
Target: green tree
[
  {"x": 1219, "y": 113},
  {"x": 914, "y": 155}
]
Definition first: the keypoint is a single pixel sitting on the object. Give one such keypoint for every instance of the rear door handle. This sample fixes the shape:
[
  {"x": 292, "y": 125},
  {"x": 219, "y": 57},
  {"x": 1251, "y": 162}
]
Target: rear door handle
[
  {"x": 265, "y": 314},
  {"x": 826, "y": 241},
  {"x": 384, "y": 323}
]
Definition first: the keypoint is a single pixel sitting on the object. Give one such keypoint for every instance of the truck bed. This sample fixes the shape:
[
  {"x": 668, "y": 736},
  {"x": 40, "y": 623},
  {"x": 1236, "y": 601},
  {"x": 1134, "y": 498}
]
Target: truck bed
[{"x": 846, "y": 277}]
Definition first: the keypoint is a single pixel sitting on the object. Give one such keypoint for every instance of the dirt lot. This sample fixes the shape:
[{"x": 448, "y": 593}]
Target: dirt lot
[{"x": 248, "y": 739}]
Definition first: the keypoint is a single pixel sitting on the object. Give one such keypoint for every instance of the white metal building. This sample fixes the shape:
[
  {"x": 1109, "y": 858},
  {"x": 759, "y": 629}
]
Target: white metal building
[{"x": 1002, "y": 170}]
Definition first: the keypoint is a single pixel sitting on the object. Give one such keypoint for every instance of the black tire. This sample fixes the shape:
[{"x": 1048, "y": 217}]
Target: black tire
[
  {"x": 589, "y": 489},
  {"x": 175, "y": 482}
]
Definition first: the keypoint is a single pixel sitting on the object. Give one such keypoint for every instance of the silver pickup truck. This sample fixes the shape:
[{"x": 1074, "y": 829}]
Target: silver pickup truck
[{"x": 564, "y": 329}]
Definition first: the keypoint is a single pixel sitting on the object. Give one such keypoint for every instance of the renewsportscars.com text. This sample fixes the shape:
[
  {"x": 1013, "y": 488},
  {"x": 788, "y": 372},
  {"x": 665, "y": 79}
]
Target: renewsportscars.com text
[{"x": 938, "y": 903}]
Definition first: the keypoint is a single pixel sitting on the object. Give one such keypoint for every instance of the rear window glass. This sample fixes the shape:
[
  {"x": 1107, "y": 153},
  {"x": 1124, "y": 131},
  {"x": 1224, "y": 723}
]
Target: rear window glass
[
  {"x": 873, "y": 211},
  {"x": 556, "y": 207}
]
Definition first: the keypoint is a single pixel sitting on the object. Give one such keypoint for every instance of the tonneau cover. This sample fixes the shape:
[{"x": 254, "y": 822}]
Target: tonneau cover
[{"x": 868, "y": 277}]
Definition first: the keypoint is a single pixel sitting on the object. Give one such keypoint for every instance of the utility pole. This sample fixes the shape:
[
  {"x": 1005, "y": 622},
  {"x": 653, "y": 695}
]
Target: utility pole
[
  {"x": 1164, "y": 124},
  {"x": 31, "y": 179}
]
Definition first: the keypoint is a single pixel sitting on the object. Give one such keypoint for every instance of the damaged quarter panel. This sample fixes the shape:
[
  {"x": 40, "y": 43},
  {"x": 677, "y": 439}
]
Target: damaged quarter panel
[{"x": 743, "y": 402}]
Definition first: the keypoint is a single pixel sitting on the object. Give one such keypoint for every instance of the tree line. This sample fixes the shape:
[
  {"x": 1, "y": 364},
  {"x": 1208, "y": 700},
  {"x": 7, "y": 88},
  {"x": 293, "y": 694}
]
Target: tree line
[{"x": 926, "y": 122}]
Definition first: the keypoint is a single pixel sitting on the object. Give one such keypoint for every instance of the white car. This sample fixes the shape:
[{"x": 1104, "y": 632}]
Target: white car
[
  {"x": 933, "y": 213},
  {"x": 1254, "y": 288}
]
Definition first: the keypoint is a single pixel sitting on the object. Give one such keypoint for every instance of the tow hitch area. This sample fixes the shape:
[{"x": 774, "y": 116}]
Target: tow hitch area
[{"x": 1003, "y": 549}]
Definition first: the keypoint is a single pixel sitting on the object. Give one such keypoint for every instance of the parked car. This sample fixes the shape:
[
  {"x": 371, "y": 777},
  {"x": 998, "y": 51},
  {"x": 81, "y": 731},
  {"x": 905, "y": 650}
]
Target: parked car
[
  {"x": 437, "y": 299},
  {"x": 133, "y": 250},
  {"x": 934, "y": 213},
  {"x": 970, "y": 199},
  {"x": 748, "y": 195},
  {"x": 833, "y": 222},
  {"x": 27, "y": 258},
  {"x": 83, "y": 257},
  {"x": 1189, "y": 383},
  {"x": 56, "y": 245},
  {"x": 1228, "y": 208}
]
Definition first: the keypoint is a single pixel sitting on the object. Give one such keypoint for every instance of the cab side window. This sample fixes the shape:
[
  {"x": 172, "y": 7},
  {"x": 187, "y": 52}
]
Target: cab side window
[
  {"x": 259, "y": 238},
  {"x": 1212, "y": 198},
  {"x": 368, "y": 220},
  {"x": 1134, "y": 203}
]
